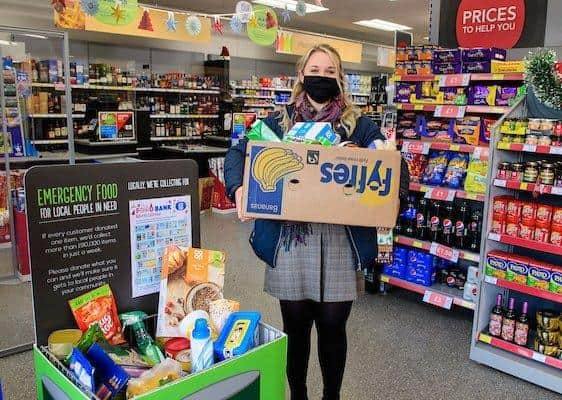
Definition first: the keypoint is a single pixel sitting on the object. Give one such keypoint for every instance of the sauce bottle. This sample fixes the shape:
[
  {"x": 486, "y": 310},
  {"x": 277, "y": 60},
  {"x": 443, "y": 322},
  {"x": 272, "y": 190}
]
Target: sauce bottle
[
  {"x": 522, "y": 326},
  {"x": 496, "y": 318},
  {"x": 201, "y": 346},
  {"x": 508, "y": 325}
]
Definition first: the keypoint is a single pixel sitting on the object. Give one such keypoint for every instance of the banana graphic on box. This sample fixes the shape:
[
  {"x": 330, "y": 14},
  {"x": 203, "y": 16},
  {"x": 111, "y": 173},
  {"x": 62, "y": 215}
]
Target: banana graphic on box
[{"x": 272, "y": 164}]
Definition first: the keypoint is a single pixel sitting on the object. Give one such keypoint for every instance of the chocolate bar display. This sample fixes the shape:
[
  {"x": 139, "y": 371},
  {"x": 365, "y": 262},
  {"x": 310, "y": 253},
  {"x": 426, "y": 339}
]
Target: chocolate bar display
[
  {"x": 483, "y": 54},
  {"x": 477, "y": 67},
  {"x": 446, "y": 68}
]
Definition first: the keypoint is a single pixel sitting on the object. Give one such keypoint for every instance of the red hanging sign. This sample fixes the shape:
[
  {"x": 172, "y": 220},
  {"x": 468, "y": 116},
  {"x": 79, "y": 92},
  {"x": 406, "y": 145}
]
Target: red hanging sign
[{"x": 490, "y": 23}]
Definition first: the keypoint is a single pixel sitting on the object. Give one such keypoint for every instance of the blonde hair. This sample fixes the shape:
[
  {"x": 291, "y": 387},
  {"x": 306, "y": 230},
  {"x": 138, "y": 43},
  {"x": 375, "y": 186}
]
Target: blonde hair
[{"x": 350, "y": 112}]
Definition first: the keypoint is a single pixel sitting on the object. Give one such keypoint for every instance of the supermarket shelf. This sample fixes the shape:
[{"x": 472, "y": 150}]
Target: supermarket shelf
[
  {"x": 281, "y": 103},
  {"x": 439, "y": 289},
  {"x": 37, "y": 116},
  {"x": 259, "y": 105},
  {"x": 415, "y": 107},
  {"x": 487, "y": 109},
  {"x": 122, "y": 142},
  {"x": 250, "y": 96},
  {"x": 124, "y": 88},
  {"x": 425, "y": 245},
  {"x": 543, "y": 294},
  {"x": 512, "y": 76},
  {"x": 184, "y": 116},
  {"x": 171, "y": 138},
  {"x": 469, "y": 109},
  {"x": 415, "y": 78},
  {"x": 527, "y": 244},
  {"x": 422, "y": 147},
  {"x": 528, "y": 187},
  {"x": 262, "y": 88},
  {"x": 528, "y": 148},
  {"x": 520, "y": 351},
  {"x": 362, "y": 94},
  {"x": 360, "y": 103},
  {"x": 283, "y": 89},
  {"x": 50, "y": 141},
  {"x": 460, "y": 194}
]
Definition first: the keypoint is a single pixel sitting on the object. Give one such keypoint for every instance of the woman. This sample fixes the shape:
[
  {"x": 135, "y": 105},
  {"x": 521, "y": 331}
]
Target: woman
[{"x": 312, "y": 267}]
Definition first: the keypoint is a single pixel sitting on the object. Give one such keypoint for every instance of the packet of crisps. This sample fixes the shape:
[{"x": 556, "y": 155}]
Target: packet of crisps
[
  {"x": 98, "y": 306},
  {"x": 261, "y": 132}
]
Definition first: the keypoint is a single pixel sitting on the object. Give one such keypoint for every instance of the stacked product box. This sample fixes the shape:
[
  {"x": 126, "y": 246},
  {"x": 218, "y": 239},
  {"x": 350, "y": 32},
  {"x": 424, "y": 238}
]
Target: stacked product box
[
  {"x": 413, "y": 266},
  {"x": 524, "y": 271},
  {"x": 467, "y": 61},
  {"x": 414, "y": 60}
]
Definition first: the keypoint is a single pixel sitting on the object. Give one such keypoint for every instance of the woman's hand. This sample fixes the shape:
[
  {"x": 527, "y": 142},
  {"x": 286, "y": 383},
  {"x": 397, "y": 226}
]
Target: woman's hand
[{"x": 238, "y": 201}]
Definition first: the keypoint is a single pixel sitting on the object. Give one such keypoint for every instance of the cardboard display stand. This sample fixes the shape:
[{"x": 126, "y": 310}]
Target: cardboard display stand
[{"x": 106, "y": 223}]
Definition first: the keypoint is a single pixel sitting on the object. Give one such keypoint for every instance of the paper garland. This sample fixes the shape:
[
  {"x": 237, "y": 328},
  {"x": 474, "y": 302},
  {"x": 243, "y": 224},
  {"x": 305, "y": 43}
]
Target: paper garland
[
  {"x": 218, "y": 26},
  {"x": 171, "y": 22},
  {"x": 244, "y": 11},
  {"x": 286, "y": 15},
  {"x": 117, "y": 12},
  {"x": 90, "y": 7},
  {"x": 193, "y": 25},
  {"x": 236, "y": 24},
  {"x": 301, "y": 8},
  {"x": 58, "y": 5},
  {"x": 146, "y": 22}
]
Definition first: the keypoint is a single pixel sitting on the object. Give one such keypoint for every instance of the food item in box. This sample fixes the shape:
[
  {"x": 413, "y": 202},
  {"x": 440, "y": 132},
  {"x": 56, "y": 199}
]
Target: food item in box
[
  {"x": 179, "y": 349},
  {"x": 411, "y": 68},
  {"x": 127, "y": 358},
  {"x": 507, "y": 95},
  {"x": 527, "y": 232},
  {"x": 483, "y": 54},
  {"x": 476, "y": 181},
  {"x": 428, "y": 92},
  {"x": 512, "y": 228},
  {"x": 467, "y": 130},
  {"x": 446, "y": 68},
  {"x": 188, "y": 323},
  {"x": 456, "y": 170},
  {"x": 482, "y": 95},
  {"x": 435, "y": 170},
  {"x": 111, "y": 377},
  {"x": 544, "y": 214},
  {"x": 486, "y": 130},
  {"x": 513, "y": 211},
  {"x": 312, "y": 133},
  {"x": 416, "y": 165},
  {"x": 446, "y": 56},
  {"x": 142, "y": 341},
  {"x": 505, "y": 67},
  {"x": 555, "y": 284},
  {"x": 403, "y": 92},
  {"x": 542, "y": 232},
  {"x": 477, "y": 67},
  {"x": 94, "y": 334},
  {"x": 496, "y": 264},
  {"x": 98, "y": 306},
  {"x": 548, "y": 320},
  {"x": 423, "y": 68},
  {"x": 437, "y": 129},
  {"x": 400, "y": 68},
  {"x": 191, "y": 287},
  {"x": 167, "y": 371},
  {"x": 529, "y": 213},
  {"x": 499, "y": 205},
  {"x": 82, "y": 369},
  {"x": 408, "y": 126},
  {"x": 220, "y": 310},
  {"x": 239, "y": 335},
  {"x": 261, "y": 132},
  {"x": 454, "y": 95},
  {"x": 539, "y": 275},
  {"x": 61, "y": 342},
  {"x": 517, "y": 269}
]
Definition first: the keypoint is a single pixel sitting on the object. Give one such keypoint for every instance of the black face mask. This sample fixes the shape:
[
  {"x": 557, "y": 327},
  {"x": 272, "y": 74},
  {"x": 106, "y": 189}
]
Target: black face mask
[{"x": 321, "y": 88}]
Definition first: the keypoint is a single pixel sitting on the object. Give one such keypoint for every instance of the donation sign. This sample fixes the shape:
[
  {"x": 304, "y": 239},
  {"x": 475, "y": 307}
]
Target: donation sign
[{"x": 97, "y": 224}]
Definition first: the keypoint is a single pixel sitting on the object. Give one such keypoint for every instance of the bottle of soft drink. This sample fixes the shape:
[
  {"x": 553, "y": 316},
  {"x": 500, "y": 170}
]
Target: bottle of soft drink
[
  {"x": 410, "y": 217},
  {"x": 461, "y": 223},
  {"x": 447, "y": 224},
  {"x": 435, "y": 221},
  {"x": 422, "y": 219},
  {"x": 474, "y": 230}
]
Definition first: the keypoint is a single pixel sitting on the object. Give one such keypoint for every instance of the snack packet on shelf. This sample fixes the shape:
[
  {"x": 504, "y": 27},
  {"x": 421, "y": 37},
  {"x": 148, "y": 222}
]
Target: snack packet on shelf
[
  {"x": 416, "y": 165},
  {"x": 98, "y": 306},
  {"x": 167, "y": 371},
  {"x": 476, "y": 176},
  {"x": 435, "y": 169},
  {"x": 456, "y": 171},
  {"x": 261, "y": 132}
]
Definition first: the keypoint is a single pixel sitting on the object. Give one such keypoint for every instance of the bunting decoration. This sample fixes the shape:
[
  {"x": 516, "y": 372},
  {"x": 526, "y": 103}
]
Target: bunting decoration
[
  {"x": 117, "y": 12},
  {"x": 218, "y": 26},
  {"x": 193, "y": 25},
  {"x": 90, "y": 7},
  {"x": 236, "y": 24},
  {"x": 301, "y": 8},
  {"x": 244, "y": 11},
  {"x": 146, "y": 22},
  {"x": 171, "y": 22}
]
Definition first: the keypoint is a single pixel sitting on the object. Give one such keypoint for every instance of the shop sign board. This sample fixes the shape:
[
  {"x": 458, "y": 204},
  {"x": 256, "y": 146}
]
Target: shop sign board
[
  {"x": 312, "y": 183},
  {"x": 92, "y": 224},
  {"x": 491, "y": 23},
  {"x": 298, "y": 43}
]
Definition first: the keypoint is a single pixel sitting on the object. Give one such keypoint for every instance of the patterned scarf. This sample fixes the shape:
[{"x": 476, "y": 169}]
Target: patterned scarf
[{"x": 295, "y": 233}]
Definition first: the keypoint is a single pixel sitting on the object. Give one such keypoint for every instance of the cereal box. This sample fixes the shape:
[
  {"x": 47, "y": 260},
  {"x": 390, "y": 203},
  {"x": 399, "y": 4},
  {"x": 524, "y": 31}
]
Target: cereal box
[
  {"x": 539, "y": 275},
  {"x": 496, "y": 264},
  {"x": 517, "y": 269}
]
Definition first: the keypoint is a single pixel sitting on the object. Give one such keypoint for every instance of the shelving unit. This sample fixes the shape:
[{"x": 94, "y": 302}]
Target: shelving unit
[
  {"x": 60, "y": 87},
  {"x": 467, "y": 109},
  {"x": 447, "y": 193},
  {"x": 522, "y": 362},
  {"x": 55, "y": 116},
  {"x": 425, "y": 245},
  {"x": 183, "y": 116}
]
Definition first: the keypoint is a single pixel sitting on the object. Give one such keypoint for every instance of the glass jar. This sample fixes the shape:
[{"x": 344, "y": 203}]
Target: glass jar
[
  {"x": 546, "y": 175},
  {"x": 544, "y": 140},
  {"x": 516, "y": 172},
  {"x": 506, "y": 138},
  {"x": 534, "y": 124},
  {"x": 547, "y": 125},
  {"x": 558, "y": 128},
  {"x": 503, "y": 170},
  {"x": 558, "y": 174},
  {"x": 531, "y": 139},
  {"x": 531, "y": 172},
  {"x": 518, "y": 139}
]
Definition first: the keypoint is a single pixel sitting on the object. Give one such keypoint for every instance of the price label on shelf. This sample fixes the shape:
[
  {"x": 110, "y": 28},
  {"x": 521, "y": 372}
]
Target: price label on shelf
[
  {"x": 481, "y": 153},
  {"x": 436, "y": 193},
  {"x": 500, "y": 183},
  {"x": 556, "y": 150},
  {"x": 491, "y": 279},
  {"x": 556, "y": 190},
  {"x": 494, "y": 236},
  {"x": 531, "y": 148},
  {"x": 497, "y": 77},
  {"x": 444, "y": 252},
  {"x": 416, "y": 147},
  {"x": 447, "y": 111},
  {"x": 438, "y": 299},
  {"x": 539, "y": 357},
  {"x": 454, "y": 80},
  {"x": 418, "y": 107},
  {"x": 59, "y": 86}
]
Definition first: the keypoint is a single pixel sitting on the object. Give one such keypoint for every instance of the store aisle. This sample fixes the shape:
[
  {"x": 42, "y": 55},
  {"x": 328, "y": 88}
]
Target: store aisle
[{"x": 399, "y": 348}]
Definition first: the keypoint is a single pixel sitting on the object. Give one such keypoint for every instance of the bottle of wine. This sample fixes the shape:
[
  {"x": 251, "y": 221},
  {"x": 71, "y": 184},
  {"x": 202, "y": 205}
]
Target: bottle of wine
[
  {"x": 508, "y": 326},
  {"x": 496, "y": 318},
  {"x": 522, "y": 326}
]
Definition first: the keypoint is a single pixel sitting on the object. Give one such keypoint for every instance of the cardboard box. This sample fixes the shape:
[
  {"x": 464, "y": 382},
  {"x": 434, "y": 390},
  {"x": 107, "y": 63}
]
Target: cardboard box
[
  {"x": 206, "y": 186},
  {"x": 311, "y": 183}
]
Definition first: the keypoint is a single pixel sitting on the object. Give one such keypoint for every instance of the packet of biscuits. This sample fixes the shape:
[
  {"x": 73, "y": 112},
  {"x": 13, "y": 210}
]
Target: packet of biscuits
[{"x": 190, "y": 280}]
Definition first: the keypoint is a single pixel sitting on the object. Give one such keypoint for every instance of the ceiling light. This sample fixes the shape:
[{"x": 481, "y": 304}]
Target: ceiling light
[
  {"x": 383, "y": 25},
  {"x": 290, "y": 5},
  {"x": 33, "y": 35}
]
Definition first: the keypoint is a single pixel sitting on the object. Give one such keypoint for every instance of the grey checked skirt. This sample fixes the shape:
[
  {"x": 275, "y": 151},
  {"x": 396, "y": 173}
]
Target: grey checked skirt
[{"x": 320, "y": 270}]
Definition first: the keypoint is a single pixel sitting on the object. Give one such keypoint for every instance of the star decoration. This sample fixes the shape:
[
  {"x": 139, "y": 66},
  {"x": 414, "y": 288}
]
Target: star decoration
[
  {"x": 171, "y": 22},
  {"x": 117, "y": 12},
  {"x": 286, "y": 15},
  {"x": 301, "y": 8},
  {"x": 218, "y": 26},
  {"x": 90, "y": 7},
  {"x": 193, "y": 25},
  {"x": 253, "y": 22},
  {"x": 236, "y": 24}
]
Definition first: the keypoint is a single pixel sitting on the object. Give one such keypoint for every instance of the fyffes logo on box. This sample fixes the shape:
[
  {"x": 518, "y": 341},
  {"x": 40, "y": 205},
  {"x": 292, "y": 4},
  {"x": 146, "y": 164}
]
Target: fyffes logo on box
[
  {"x": 372, "y": 182},
  {"x": 272, "y": 164}
]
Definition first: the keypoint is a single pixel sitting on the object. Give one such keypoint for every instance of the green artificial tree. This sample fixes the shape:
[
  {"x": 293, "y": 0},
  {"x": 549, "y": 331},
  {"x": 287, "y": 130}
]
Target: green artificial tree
[{"x": 540, "y": 75}]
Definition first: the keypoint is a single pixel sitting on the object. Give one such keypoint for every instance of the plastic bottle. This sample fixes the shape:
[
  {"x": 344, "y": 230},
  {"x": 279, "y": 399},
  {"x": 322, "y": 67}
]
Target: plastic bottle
[
  {"x": 461, "y": 224},
  {"x": 435, "y": 222},
  {"x": 410, "y": 217},
  {"x": 474, "y": 231},
  {"x": 447, "y": 224},
  {"x": 422, "y": 219},
  {"x": 201, "y": 346}
]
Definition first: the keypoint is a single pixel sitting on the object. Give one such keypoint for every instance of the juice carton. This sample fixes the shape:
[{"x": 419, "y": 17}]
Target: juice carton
[
  {"x": 539, "y": 275},
  {"x": 496, "y": 264},
  {"x": 555, "y": 284},
  {"x": 517, "y": 269}
]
